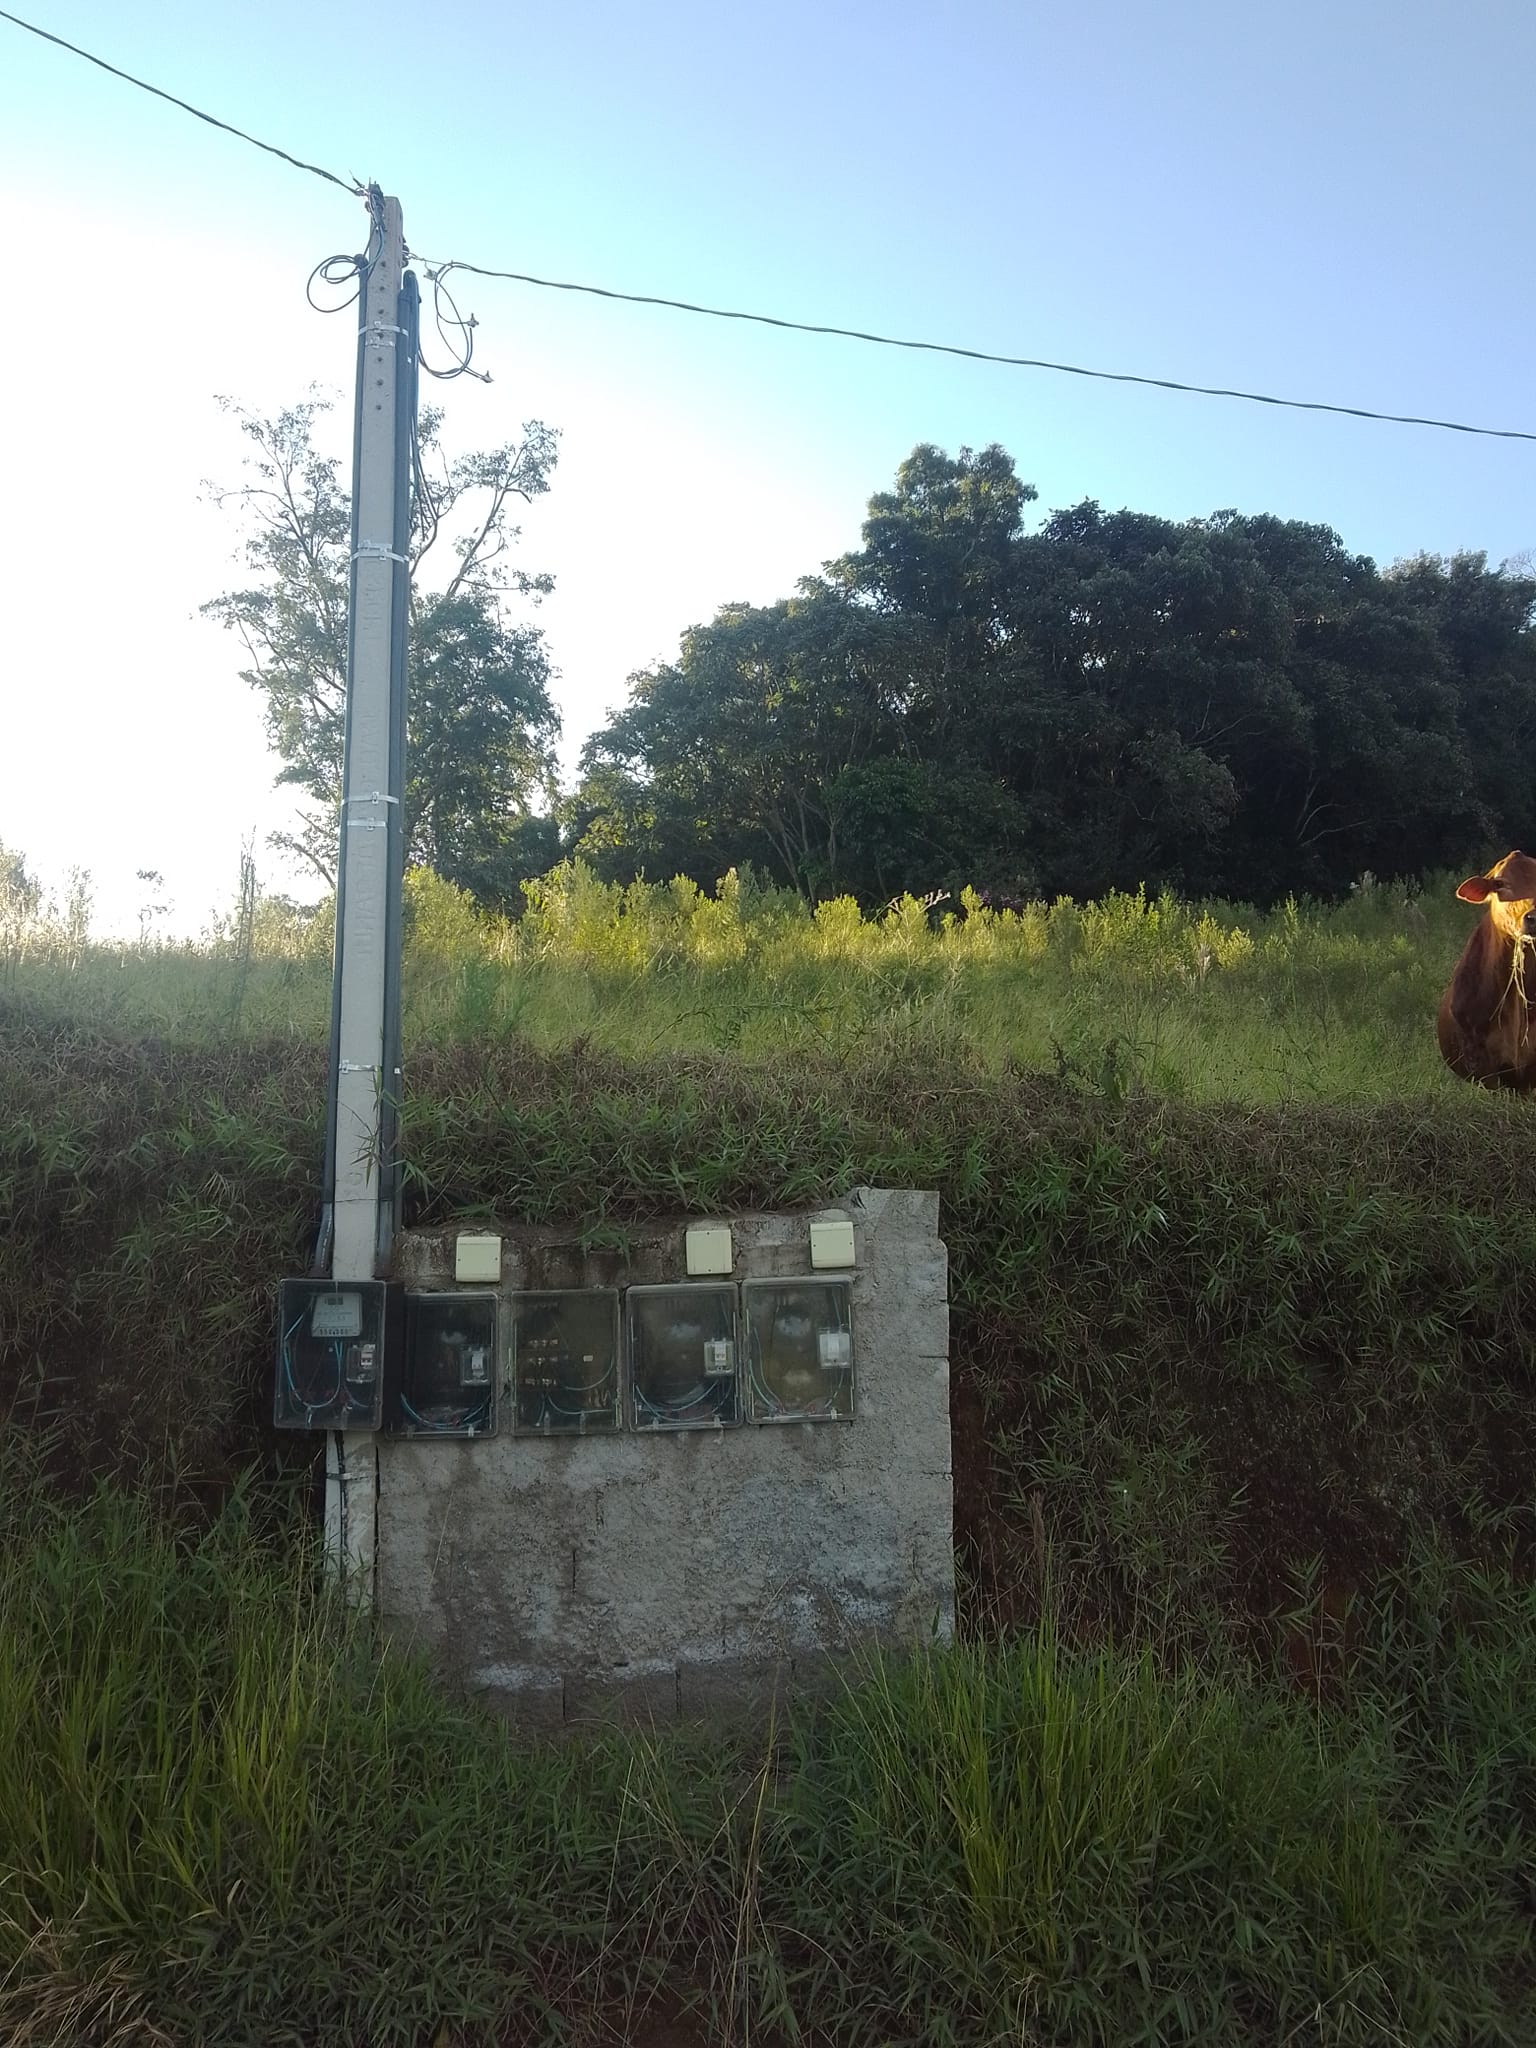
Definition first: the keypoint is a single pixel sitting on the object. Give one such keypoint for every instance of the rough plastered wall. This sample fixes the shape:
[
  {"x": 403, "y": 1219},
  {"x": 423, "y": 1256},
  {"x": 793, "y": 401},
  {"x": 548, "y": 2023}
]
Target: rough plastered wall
[{"x": 657, "y": 1574}]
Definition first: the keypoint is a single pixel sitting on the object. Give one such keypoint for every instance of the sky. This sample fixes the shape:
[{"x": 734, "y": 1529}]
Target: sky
[{"x": 1329, "y": 200}]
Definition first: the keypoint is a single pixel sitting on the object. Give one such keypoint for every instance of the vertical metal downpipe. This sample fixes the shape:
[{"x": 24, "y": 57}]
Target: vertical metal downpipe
[
  {"x": 322, "y": 1258},
  {"x": 391, "y": 1183}
]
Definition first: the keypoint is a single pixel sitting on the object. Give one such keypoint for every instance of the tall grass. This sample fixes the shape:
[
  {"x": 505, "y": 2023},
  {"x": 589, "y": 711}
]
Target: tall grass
[
  {"x": 1099, "y": 1847},
  {"x": 1210, "y": 1001},
  {"x": 226, "y": 1815}
]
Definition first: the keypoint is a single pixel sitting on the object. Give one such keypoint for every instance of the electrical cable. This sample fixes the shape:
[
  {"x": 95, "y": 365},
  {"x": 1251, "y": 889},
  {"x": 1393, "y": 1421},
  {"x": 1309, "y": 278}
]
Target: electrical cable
[
  {"x": 271, "y": 148},
  {"x": 460, "y": 343},
  {"x": 449, "y": 1425},
  {"x": 713, "y": 1397},
  {"x": 424, "y": 515},
  {"x": 776, "y": 1409},
  {"x": 438, "y": 272},
  {"x": 548, "y": 1405},
  {"x": 772, "y": 1405},
  {"x": 312, "y": 1408},
  {"x": 344, "y": 268},
  {"x": 980, "y": 355},
  {"x": 337, "y": 270}
]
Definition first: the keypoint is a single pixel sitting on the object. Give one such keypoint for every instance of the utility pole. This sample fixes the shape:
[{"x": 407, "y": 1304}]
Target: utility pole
[{"x": 361, "y": 1179}]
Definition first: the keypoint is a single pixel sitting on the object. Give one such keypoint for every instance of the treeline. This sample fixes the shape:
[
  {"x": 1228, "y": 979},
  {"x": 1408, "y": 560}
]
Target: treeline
[{"x": 1233, "y": 706}]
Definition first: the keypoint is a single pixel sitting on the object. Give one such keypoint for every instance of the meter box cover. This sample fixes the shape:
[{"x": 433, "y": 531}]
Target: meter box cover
[
  {"x": 336, "y": 1340},
  {"x": 565, "y": 1360},
  {"x": 683, "y": 1346},
  {"x": 799, "y": 1350},
  {"x": 449, "y": 1370}
]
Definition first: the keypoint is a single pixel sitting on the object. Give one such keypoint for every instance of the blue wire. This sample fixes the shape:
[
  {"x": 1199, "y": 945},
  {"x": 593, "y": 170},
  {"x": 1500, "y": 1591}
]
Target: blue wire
[
  {"x": 780, "y": 1409},
  {"x": 675, "y": 1409},
  {"x": 311, "y": 1408},
  {"x": 470, "y": 1419}
]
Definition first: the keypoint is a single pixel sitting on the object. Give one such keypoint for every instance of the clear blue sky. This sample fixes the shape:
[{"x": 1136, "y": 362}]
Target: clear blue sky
[{"x": 1323, "y": 201}]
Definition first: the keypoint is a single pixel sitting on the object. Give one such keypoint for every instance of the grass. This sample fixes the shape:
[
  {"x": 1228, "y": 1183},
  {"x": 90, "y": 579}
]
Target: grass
[
  {"x": 1240, "y": 1745},
  {"x": 226, "y": 1814},
  {"x": 1202, "y": 1349},
  {"x": 1206, "y": 1002}
]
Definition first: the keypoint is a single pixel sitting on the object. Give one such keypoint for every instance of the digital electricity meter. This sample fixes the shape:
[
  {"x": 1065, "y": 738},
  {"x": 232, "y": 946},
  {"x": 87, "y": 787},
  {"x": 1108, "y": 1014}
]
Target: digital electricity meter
[
  {"x": 799, "y": 1350},
  {"x": 336, "y": 1341},
  {"x": 565, "y": 1360},
  {"x": 448, "y": 1369},
  {"x": 684, "y": 1352}
]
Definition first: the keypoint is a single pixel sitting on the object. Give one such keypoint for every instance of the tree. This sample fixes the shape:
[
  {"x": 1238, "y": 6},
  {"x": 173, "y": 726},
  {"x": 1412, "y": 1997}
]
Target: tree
[
  {"x": 1234, "y": 705},
  {"x": 772, "y": 740},
  {"x": 31, "y": 920},
  {"x": 941, "y": 548},
  {"x": 481, "y": 722},
  {"x": 21, "y": 902},
  {"x": 1481, "y": 621}
]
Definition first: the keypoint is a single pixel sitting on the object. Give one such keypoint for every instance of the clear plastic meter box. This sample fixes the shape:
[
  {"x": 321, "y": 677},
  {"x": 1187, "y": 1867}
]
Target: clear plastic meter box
[
  {"x": 336, "y": 1342},
  {"x": 684, "y": 1348},
  {"x": 449, "y": 1366},
  {"x": 565, "y": 1360},
  {"x": 799, "y": 1350}
]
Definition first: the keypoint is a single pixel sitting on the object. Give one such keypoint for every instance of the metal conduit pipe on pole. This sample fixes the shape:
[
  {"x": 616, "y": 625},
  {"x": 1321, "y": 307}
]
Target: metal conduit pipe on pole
[
  {"x": 366, "y": 877},
  {"x": 321, "y": 1262},
  {"x": 406, "y": 392}
]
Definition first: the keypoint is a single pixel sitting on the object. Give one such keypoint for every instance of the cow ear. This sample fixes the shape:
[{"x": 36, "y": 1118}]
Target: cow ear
[{"x": 1476, "y": 889}]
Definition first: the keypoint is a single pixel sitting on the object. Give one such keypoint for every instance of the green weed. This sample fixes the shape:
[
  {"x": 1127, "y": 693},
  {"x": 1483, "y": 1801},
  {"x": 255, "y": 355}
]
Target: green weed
[
  {"x": 225, "y": 1813},
  {"x": 1239, "y": 1746},
  {"x": 1207, "y": 1002}
]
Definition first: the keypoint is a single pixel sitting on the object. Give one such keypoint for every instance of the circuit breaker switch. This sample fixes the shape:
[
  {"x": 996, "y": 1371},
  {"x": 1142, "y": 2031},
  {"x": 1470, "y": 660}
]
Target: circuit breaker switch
[
  {"x": 831, "y": 1244},
  {"x": 719, "y": 1358},
  {"x": 477, "y": 1259},
  {"x": 708, "y": 1249},
  {"x": 834, "y": 1350}
]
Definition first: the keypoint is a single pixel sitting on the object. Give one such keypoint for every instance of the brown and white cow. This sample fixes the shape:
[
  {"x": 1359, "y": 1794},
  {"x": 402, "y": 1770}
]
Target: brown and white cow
[{"x": 1486, "y": 1027}]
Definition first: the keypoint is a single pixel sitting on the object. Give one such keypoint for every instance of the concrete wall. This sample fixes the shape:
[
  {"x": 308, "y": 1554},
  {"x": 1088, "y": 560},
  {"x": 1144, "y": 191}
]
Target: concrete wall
[{"x": 662, "y": 1574}]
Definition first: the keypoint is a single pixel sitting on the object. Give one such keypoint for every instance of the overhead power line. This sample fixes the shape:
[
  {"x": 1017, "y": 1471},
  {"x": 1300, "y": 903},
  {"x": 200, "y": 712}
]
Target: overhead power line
[
  {"x": 437, "y": 272},
  {"x": 271, "y": 148},
  {"x": 981, "y": 355}
]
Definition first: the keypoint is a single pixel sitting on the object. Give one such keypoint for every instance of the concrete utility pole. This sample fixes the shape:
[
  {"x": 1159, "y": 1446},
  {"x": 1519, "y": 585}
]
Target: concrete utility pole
[{"x": 368, "y": 878}]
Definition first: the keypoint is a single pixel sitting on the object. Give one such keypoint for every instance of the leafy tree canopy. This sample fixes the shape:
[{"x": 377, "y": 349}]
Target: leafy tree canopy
[
  {"x": 482, "y": 724},
  {"x": 1233, "y": 705}
]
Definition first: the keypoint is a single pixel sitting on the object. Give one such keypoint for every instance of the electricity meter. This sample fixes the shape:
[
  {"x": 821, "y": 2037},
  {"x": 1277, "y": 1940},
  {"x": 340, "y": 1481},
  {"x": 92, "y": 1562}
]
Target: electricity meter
[
  {"x": 565, "y": 1360},
  {"x": 799, "y": 1350},
  {"x": 336, "y": 1340},
  {"x": 683, "y": 1355},
  {"x": 448, "y": 1371}
]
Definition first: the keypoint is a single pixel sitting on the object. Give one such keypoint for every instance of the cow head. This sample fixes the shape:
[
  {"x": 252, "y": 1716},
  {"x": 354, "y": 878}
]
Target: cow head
[{"x": 1509, "y": 890}]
